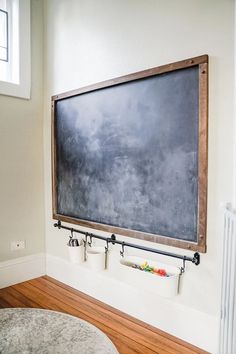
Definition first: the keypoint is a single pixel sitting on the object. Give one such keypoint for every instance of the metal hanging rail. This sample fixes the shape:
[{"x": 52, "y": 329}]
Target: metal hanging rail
[{"x": 112, "y": 239}]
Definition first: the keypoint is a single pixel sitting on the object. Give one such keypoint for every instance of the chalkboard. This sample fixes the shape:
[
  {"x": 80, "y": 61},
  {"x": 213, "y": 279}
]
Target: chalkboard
[{"x": 130, "y": 155}]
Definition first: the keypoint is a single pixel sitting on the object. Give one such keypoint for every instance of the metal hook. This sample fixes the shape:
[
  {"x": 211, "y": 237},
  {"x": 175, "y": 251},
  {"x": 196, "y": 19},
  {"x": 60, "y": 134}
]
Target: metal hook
[
  {"x": 85, "y": 246},
  {"x": 182, "y": 269},
  {"x": 107, "y": 245},
  {"x": 86, "y": 237},
  {"x": 106, "y": 253},
  {"x": 71, "y": 235},
  {"x": 123, "y": 249},
  {"x": 91, "y": 240}
]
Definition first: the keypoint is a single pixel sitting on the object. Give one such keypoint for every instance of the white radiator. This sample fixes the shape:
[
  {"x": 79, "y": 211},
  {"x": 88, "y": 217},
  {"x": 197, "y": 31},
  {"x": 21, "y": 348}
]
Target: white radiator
[{"x": 228, "y": 291}]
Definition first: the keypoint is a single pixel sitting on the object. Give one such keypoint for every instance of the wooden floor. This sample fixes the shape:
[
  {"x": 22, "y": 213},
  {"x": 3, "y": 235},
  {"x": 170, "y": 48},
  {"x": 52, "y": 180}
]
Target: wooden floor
[{"x": 128, "y": 334}]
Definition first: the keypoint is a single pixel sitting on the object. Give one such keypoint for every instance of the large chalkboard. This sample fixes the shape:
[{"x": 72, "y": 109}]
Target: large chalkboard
[{"x": 129, "y": 155}]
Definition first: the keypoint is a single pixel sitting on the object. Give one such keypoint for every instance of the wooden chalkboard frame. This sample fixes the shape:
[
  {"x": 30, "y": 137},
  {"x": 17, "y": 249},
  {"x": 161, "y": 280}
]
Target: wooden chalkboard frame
[{"x": 200, "y": 245}]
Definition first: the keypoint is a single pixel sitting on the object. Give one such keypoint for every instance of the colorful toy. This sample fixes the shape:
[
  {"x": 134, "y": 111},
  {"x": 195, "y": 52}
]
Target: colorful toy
[
  {"x": 144, "y": 265},
  {"x": 146, "y": 268},
  {"x": 161, "y": 272}
]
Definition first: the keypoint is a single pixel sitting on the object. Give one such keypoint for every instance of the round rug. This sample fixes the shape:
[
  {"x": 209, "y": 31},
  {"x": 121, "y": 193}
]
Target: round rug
[{"x": 24, "y": 330}]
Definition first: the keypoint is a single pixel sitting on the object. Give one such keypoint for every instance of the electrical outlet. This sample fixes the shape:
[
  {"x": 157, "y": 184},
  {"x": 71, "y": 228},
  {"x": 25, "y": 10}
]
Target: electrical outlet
[{"x": 17, "y": 245}]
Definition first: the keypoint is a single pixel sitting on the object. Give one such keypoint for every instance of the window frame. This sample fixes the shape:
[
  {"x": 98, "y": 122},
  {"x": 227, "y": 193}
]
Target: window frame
[
  {"x": 23, "y": 88},
  {"x": 7, "y": 35}
]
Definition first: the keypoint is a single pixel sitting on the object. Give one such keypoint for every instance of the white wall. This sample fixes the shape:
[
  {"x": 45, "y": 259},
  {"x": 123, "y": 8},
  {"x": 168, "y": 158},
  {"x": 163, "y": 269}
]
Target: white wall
[
  {"x": 21, "y": 158},
  {"x": 89, "y": 41}
]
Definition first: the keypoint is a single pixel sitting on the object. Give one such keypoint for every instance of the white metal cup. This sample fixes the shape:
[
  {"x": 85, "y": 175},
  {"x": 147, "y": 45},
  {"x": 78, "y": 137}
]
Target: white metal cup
[
  {"x": 76, "y": 254},
  {"x": 96, "y": 258}
]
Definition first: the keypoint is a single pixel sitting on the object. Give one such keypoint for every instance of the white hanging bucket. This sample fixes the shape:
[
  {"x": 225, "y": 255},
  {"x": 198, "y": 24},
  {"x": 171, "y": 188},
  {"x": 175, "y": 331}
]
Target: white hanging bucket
[
  {"x": 166, "y": 286},
  {"x": 76, "y": 254},
  {"x": 96, "y": 258}
]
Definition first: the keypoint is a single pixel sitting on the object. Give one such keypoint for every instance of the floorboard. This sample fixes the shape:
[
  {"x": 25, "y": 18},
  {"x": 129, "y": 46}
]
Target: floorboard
[{"x": 129, "y": 335}]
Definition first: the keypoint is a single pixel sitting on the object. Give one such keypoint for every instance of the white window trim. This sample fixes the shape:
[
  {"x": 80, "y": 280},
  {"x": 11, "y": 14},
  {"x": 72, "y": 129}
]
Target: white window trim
[{"x": 23, "y": 89}]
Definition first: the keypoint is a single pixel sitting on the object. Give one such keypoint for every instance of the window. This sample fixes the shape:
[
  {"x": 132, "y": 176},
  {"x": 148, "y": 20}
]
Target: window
[
  {"x": 15, "y": 48},
  {"x": 4, "y": 35}
]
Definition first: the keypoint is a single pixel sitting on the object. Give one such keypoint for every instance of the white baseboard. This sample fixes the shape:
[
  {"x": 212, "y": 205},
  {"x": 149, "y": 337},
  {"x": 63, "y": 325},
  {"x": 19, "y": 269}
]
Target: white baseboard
[
  {"x": 21, "y": 269},
  {"x": 195, "y": 327}
]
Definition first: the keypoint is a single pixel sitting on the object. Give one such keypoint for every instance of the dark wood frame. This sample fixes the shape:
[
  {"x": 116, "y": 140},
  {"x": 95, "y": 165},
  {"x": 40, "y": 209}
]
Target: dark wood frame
[{"x": 200, "y": 245}]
